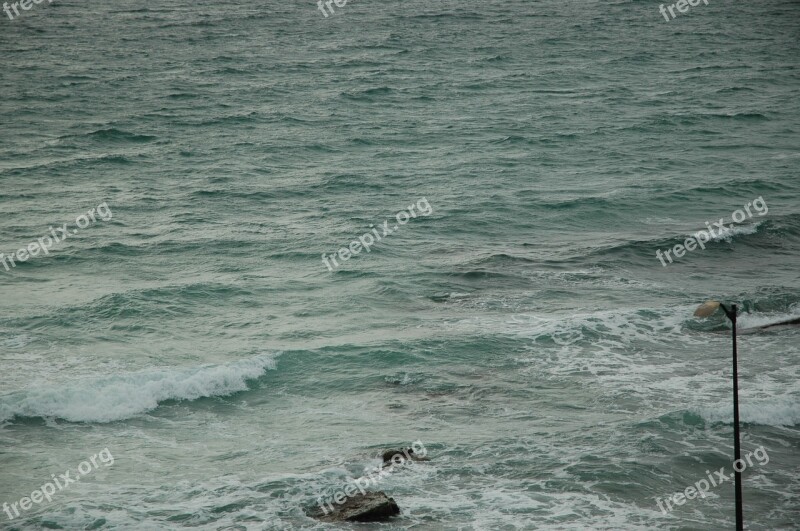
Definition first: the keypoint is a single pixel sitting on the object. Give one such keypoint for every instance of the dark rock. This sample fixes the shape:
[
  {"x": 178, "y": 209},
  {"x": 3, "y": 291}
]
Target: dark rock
[
  {"x": 368, "y": 507},
  {"x": 790, "y": 322},
  {"x": 781, "y": 325},
  {"x": 391, "y": 457}
]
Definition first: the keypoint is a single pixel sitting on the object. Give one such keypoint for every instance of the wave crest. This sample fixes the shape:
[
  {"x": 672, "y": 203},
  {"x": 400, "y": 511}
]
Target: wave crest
[
  {"x": 118, "y": 397},
  {"x": 778, "y": 411}
]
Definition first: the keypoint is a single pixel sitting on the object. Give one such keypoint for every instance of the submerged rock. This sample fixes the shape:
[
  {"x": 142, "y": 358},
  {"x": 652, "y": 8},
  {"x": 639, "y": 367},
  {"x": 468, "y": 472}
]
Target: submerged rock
[
  {"x": 396, "y": 457},
  {"x": 368, "y": 507}
]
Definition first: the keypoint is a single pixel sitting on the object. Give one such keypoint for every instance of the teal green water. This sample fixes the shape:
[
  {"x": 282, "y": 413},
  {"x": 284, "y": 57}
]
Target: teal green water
[{"x": 524, "y": 331}]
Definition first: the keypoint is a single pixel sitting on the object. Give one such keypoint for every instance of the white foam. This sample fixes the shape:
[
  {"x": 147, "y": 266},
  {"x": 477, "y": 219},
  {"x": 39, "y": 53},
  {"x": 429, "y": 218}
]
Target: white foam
[
  {"x": 118, "y": 397},
  {"x": 748, "y": 320},
  {"x": 619, "y": 328},
  {"x": 778, "y": 411},
  {"x": 16, "y": 342},
  {"x": 733, "y": 231}
]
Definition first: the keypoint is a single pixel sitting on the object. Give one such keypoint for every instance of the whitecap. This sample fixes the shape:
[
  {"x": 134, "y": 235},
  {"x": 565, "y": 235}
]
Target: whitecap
[{"x": 117, "y": 397}]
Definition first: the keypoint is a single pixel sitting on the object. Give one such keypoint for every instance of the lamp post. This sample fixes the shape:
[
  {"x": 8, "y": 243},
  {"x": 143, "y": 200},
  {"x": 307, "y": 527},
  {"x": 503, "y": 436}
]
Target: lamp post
[{"x": 705, "y": 310}]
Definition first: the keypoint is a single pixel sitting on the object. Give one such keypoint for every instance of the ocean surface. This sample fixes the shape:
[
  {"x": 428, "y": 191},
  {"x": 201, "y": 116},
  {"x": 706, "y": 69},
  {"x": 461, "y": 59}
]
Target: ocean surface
[{"x": 206, "y": 155}]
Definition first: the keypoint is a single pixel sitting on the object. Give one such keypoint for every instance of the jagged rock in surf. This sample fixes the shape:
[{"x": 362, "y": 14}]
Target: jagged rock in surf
[{"x": 368, "y": 507}]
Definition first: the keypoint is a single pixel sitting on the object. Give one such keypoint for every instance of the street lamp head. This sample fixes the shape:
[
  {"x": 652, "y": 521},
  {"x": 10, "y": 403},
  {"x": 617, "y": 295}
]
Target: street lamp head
[{"x": 707, "y": 308}]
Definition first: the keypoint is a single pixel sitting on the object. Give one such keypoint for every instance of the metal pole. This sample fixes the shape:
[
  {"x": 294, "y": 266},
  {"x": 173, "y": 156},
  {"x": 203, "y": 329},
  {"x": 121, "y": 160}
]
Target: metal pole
[
  {"x": 706, "y": 309},
  {"x": 736, "y": 447}
]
